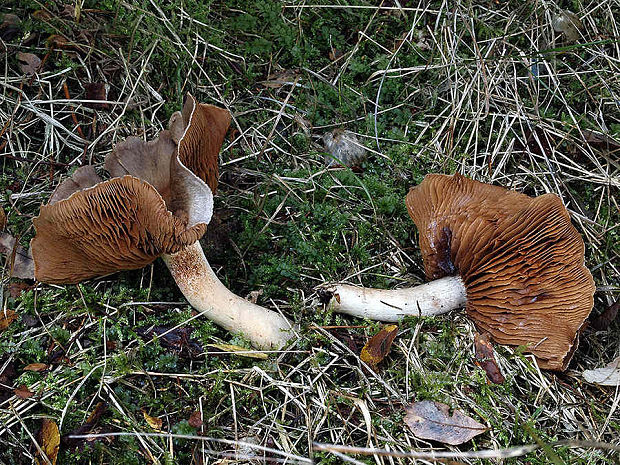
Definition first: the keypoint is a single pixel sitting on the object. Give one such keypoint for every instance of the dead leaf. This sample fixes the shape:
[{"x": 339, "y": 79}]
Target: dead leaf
[
  {"x": 15, "y": 289},
  {"x": 195, "y": 419},
  {"x": 86, "y": 428},
  {"x": 432, "y": 420},
  {"x": 49, "y": 440},
  {"x": 280, "y": 78},
  {"x": 96, "y": 91},
  {"x": 605, "y": 319},
  {"x": 379, "y": 345},
  {"x": 600, "y": 141},
  {"x": 23, "y": 392},
  {"x": 7, "y": 377},
  {"x": 485, "y": 358},
  {"x": 28, "y": 63},
  {"x": 569, "y": 24},
  {"x": 9, "y": 28},
  {"x": 6, "y": 318},
  {"x": 153, "y": 422},
  {"x": 23, "y": 265},
  {"x": 42, "y": 15},
  {"x": 177, "y": 339},
  {"x": 241, "y": 351},
  {"x": 609, "y": 375},
  {"x": 2, "y": 218},
  {"x": 36, "y": 367},
  {"x": 58, "y": 42}
]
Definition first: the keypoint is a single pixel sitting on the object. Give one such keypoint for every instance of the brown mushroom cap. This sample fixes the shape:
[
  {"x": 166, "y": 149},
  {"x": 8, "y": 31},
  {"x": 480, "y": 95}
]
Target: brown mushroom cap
[
  {"x": 521, "y": 260},
  {"x": 153, "y": 205}
]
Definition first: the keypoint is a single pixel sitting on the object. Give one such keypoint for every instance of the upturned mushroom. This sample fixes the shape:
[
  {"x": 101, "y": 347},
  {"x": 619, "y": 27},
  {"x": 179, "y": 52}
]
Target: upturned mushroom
[
  {"x": 158, "y": 203},
  {"x": 516, "y": 263}
]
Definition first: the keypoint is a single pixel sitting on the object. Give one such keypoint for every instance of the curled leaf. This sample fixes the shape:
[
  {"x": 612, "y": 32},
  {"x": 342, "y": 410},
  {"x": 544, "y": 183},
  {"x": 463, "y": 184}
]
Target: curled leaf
[
  {"x": 485, "y": 358},
  {"x": 379, "y": 345},
  {"x": 49, "y": 440},
  {"x": 569, "y": 24},
  {"x": 9, "y": 28},
  {"x": 154, "y": 422},
  {"x": 86, "y": 428},
  {"x": 432, "y": 420},
  {"x": 605, "y": 319},
  {"x": 608, "y": 375}
]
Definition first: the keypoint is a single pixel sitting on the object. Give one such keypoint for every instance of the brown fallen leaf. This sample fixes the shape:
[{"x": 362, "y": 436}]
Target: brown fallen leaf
[
  {"x": 22, "y": 263},
  {"x": 15, "y": 289},
  {"x": 23, "y": 392},
  {"x": 605, "y": 319},
  {"x": 28, "y": 63},
  {"x": 2, "y": 218},
  {"x": 58, "y": 42},
  {"x": 6, "y": 318},
  {"x": 485, "y": 358},
  {"x": 379, "y": 345},
  {"x": 9, "y": 28},
  {"x": 178, "y": 340},
  {"x": 600, "y": 141},
  {"x": 432, "y": 420},
  {"x": 96, "y": 91},
  {"x": 154, "y": 422},
  {"x": 608, "y": 375},
  {"x": 86, "y": 428},
  {"x": 195, "y": 419},
  {"x": 36, "y": 367},
  {"x": 49, "y": 441}
]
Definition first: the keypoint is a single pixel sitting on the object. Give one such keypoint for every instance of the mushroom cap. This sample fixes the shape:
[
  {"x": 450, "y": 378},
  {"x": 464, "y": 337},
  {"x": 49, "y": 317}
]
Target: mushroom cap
[
  {"x": 154, "y": 204},
  {"x": 120, "y": 224},
  {"x": 521, "y": 259}
]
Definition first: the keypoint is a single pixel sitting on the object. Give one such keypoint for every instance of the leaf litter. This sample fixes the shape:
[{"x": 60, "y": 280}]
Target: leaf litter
[
  {"x": 378, "y": 346},
  {"x": 433, "y": 420}
]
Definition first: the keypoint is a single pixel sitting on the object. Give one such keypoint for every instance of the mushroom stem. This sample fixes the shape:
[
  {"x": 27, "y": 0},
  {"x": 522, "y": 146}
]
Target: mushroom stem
[
  {"x": 434, "y": 298},
  {"x": 264, "y": 328}
]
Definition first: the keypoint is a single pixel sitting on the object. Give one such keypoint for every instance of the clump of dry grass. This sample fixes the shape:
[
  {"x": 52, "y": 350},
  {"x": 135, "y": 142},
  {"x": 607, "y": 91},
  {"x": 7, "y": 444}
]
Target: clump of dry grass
[{"x": 489, "y": 90}]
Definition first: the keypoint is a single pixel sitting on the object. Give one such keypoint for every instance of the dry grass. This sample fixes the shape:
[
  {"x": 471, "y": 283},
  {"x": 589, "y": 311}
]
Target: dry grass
[{"x": 489, "y": 90}]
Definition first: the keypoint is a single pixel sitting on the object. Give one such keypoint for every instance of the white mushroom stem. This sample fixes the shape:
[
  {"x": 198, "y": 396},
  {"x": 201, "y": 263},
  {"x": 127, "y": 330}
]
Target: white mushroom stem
[
  {"x": 264, "y": 328},
  {"x": 434, "y": 298}
]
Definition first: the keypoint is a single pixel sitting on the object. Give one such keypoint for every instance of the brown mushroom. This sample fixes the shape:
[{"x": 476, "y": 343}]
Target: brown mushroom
[
  {"x": 156, "y": 204},
  {"x": 516, "y": 263}
]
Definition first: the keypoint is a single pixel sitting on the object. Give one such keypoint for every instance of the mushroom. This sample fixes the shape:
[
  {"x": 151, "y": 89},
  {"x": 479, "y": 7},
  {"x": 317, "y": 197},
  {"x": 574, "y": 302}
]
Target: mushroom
[
  {"x": 156, "y": 204},
  {"x": 515, "y": 262}
]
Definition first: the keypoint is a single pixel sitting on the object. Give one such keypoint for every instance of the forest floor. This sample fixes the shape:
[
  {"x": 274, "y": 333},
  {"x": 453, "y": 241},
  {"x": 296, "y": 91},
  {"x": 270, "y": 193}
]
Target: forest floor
[{"x": 521, "y": 94}]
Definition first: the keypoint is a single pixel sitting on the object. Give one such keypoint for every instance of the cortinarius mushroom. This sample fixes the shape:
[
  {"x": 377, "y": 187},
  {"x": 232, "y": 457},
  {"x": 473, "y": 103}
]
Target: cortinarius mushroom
[
  {"x": 516, "y": 263},
  {"x": 156, "y": 204}
]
